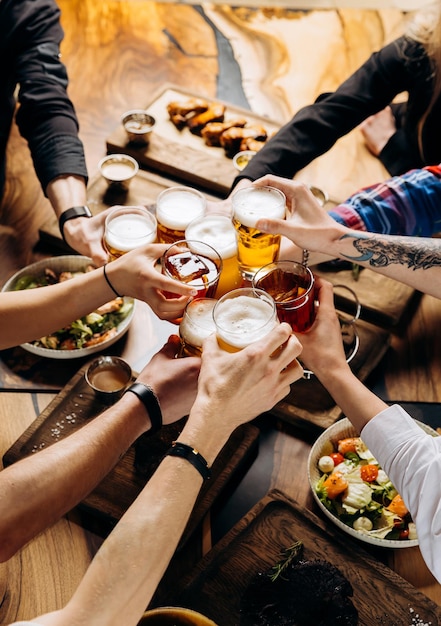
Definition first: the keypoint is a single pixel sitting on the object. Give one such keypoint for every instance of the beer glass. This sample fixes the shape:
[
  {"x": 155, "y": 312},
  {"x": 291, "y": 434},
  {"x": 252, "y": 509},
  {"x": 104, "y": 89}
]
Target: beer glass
[
  {"x": 217, "y": 230},
  {"x": 174, "y": 616},
  {"x": 243, "y": 316},
  {"x": 292, "y": 287},
  {"x": 176, "y": 207},
  {"x": 127, "y": 228},
  {"x": 196, "y": 325},
  {"x": 194, "y": 263},
  {"x": 256, "y": 248}
]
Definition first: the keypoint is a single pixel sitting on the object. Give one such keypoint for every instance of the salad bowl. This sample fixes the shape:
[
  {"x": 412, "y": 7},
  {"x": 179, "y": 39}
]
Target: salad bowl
[
  {"x": 68, "y": 263},
  {"x": 324, "y": 446}
]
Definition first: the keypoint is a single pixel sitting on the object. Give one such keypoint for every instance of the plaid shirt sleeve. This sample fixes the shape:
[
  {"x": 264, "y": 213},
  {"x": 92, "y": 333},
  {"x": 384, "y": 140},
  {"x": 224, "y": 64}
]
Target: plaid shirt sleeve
[{"x": 403, "y": 205}]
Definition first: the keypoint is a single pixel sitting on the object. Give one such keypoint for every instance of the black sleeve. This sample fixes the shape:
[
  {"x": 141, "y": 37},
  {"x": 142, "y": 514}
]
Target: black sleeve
[
  {"x": 46, "y": 116},
  {"x": 315, "y": 128}
]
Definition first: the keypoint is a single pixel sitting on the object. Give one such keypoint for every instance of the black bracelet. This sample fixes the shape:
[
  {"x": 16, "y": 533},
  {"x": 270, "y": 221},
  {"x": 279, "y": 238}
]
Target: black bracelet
[
  {"x": 109, "y": 283},
  {"x": 150, "y": 400},
  {"x": 71, "y": 214},
  {"x": 184, "y": 451}
]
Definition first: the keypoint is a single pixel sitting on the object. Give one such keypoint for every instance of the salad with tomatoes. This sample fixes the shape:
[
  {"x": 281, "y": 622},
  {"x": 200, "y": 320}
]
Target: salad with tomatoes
[{"x": 359, "y": 493}]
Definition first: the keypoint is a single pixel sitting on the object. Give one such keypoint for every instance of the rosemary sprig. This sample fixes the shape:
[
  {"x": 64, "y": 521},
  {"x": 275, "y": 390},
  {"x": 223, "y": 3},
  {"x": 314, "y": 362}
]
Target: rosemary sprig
[{"x": 289, "y": 555}]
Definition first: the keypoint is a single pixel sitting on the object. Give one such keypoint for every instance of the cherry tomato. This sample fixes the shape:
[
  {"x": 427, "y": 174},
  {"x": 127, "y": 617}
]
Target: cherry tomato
[
  {"x": 369, "y": 473},
  {"x": 404, "y": 534},
  {"x": 337, "y": 458}
]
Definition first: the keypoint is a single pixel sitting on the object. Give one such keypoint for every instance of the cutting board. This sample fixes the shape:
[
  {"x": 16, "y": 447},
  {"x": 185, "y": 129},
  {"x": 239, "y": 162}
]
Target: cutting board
[
  {"x": 181, "y": 154},
  {"x": 256, "y": 543},
  {"x": 77, "y": 403}
]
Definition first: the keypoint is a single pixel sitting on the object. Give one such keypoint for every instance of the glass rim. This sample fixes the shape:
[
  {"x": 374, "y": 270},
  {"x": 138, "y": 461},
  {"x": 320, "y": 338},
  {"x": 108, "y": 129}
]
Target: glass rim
[{"x": 217, "y": 260}]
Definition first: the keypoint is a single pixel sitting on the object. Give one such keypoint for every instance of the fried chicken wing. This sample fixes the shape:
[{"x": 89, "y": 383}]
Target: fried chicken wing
[
  {"x": 179, "y": 112},
  {"x": 214, "y": 113},
  {"x": 213, "y": 130},
  {"x": 232, "y": 138}
]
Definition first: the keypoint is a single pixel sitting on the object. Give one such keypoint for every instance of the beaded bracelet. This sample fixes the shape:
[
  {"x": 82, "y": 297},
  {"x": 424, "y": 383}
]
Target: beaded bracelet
[
  {"x": 150, "y": 400},
  {"x": 184, "y": 451}
]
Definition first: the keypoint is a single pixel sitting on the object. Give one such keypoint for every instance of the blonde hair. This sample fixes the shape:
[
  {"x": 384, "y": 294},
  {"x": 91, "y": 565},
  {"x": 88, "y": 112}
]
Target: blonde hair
[{"x": 425, "y": 28}]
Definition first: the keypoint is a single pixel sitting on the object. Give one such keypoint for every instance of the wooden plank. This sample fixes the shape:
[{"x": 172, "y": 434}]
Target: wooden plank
[
  {"x": 76, "y": 404},
  {"x": 256, "y": 543},
  {"x": 181, "y": 154}
]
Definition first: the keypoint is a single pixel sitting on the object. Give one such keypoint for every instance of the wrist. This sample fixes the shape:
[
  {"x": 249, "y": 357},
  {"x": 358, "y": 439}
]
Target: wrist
[{"x": 68, "y": 220}]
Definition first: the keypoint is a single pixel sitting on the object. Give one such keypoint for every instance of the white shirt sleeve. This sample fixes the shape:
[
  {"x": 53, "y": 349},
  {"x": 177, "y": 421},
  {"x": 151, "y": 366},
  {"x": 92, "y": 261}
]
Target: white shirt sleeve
[{"x": 412, "y": 460}]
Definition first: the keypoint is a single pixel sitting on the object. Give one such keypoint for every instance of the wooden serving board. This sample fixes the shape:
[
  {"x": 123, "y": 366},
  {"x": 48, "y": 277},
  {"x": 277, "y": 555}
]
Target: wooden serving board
[
  {"x": 256, "y": 543},
  {"x": 308, "y": 401},
  {"x": 181, "y": 154},
  {"x": 77, "y": 403}
]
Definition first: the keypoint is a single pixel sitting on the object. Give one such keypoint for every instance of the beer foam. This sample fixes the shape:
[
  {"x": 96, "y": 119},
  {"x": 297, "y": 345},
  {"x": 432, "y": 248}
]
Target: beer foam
[
  {"x": 253, "y": 203},
  {"x": 243, "y": 320},
  {"x": 217, "y": 231},
  {"x": 130, "y": 231},
  {"x": 176, "y": 210},
  {"x": 199, "y": 323}
]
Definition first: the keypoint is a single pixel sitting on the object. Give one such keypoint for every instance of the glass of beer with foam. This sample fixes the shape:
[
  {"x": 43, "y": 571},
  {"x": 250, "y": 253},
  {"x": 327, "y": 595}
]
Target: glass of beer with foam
[
  {"x": 256, "y": 248},
  {"x": 217, "y": 230},
  {"x": 176, "y": 207},
  {"x": 127, "y": 228},
  {"x": 292, "y": 287},
  {"x": 243, "y": 316},
  {"x": 196, "y": 325}
]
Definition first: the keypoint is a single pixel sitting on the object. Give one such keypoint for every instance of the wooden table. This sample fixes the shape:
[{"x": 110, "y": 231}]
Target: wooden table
[{"x": 124, "y": 52}]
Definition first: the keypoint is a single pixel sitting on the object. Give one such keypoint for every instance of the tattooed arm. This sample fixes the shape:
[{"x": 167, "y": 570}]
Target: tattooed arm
[{"x": 415, "y": 261}]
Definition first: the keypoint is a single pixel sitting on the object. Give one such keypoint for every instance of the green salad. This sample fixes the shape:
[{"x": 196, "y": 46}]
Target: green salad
[
  {"x": 90, "y": 330},
  {"x": 360, "y": 494}
]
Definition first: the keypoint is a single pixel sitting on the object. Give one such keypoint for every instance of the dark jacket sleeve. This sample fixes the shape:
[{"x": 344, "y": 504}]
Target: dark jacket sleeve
[
  {"x": 315, "y": 128},
  {"x": 46, "y": 116}
]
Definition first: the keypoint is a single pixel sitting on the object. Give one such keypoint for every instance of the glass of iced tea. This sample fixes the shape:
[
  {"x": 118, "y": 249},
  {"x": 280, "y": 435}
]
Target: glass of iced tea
[
  {"x": 217, "y": 230},
  {"x": 194, "y": 263},
  {"x": 292, "y": 287},
  {"x": 176, "y": 207},
  {"x": 197, "y": 324},
  {"x": 174, "y": 616},
  {"x": 243, "y": 316},
  {"x": 127, "y": 228},
  {"x": 256, "y": 248}
]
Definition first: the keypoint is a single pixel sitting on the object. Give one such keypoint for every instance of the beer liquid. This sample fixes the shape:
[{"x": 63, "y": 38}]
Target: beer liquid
[
  {"x": 196, "y": 270},
  {"x": 196, "y": 325},
  {"x": 255, "y": 248},
  {"x": 175, "y": 209},
  {"x": 293, "y": 296}
]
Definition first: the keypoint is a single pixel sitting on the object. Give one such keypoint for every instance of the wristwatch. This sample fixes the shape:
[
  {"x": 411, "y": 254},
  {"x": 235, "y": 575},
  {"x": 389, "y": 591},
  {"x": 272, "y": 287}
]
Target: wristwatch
[{"x": 71, "y": 214}]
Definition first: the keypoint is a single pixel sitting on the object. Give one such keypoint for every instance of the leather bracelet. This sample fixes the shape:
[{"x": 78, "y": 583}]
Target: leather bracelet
[
  {"x": 71, "y": 214},
  {"x": 150, "y": 400},
  {"x": 184, "y": 451}
]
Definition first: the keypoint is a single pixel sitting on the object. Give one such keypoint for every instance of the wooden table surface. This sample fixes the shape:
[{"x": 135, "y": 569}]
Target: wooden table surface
[{"x": 118, "y": 54}]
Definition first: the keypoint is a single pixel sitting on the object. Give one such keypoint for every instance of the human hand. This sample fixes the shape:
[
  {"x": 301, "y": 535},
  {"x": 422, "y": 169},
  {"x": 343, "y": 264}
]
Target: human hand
[
  {"x": 235, "y": 388},
  {"x": 85, "y": 235},
  {"x": 323, "y": 349},
  {"x": 308, "y": 224},
  {"x": 174, "y": 380},
  {"x": 135, "y": 274},
  {"x": 378, "y": 129}
]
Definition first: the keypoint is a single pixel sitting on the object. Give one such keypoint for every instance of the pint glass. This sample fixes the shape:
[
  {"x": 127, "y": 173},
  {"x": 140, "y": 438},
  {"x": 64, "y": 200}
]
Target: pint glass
[
  {"x": 127, "y": 228},
  {"x": 176, "y": 207},
  {"x": 243, "y": 316},
  {"x": 292, "y": 287},
  {"x": 218, "y": 231},
  {"x": 256, "y": 248}
]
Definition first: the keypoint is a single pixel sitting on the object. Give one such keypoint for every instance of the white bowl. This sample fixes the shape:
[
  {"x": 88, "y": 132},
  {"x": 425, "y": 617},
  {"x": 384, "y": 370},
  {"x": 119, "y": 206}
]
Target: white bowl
[
  {"x": 68, "y": 263},
  {"x": 325, "y": 444}
]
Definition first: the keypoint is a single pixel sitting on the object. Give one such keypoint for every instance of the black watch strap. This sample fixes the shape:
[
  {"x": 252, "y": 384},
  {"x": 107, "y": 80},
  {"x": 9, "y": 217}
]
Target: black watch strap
[{"x": 71, "y": 214}]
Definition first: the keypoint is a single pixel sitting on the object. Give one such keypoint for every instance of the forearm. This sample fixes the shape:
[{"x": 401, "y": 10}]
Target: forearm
[
  {"x": 29, "y": 314},
  {"x": 356, "y": 401},
  {"x": 413, "y": 261},
  {"x": 66, "y": 191},
  {"x": 67, "y": 471}
]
